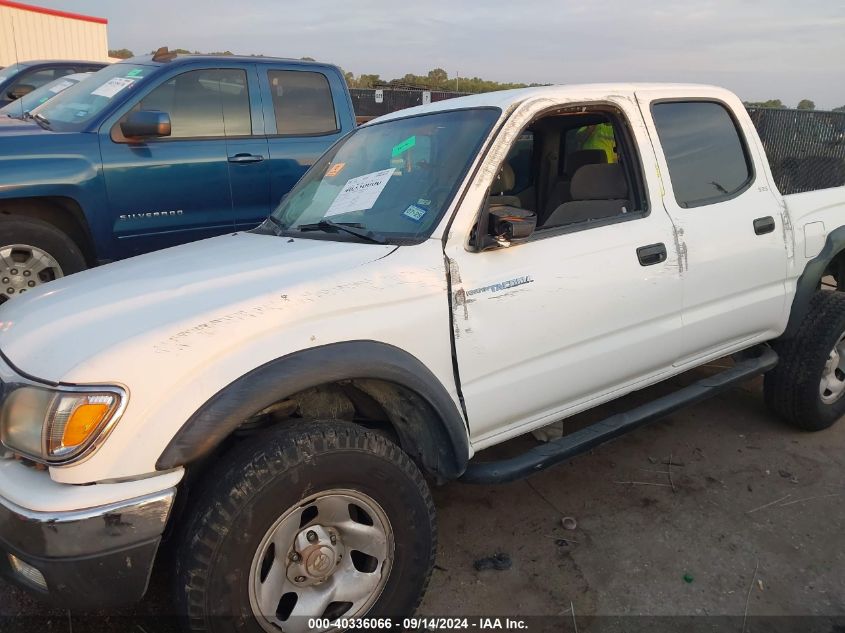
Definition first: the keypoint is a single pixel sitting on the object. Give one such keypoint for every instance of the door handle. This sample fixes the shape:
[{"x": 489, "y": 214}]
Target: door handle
[
  {"x": 764, "y": 225},
  {"x": 246, "y": 158},
  {"x": 651, "y": 254}
]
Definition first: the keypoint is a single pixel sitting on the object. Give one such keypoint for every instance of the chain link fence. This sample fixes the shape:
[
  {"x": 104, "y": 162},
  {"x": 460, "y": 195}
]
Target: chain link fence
[
  {"x": 369, "y": 102},
  {"x": 806, "y": 148}
]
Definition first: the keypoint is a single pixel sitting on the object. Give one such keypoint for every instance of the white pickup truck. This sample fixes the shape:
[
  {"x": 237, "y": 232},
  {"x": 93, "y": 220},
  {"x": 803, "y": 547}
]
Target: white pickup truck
[{"x": 272, "y": 403}]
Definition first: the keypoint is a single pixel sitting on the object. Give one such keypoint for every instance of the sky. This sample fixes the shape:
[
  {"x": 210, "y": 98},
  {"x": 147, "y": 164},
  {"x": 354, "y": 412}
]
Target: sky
[{"x": 760, "y": 49}]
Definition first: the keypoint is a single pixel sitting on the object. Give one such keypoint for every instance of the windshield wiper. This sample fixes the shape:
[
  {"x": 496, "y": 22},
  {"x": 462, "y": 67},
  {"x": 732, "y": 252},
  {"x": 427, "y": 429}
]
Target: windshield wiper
[
  {"x": 41, "y": 120},
  {"x": 353, "y": 228}
]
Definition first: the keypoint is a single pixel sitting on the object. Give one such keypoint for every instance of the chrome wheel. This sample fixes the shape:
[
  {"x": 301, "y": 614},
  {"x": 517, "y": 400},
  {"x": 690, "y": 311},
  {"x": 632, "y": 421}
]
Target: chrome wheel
[
  {"x": 327, "y": 557},
  {"x": 832, "y": 385},
  {"x": 24, "y": 267}
]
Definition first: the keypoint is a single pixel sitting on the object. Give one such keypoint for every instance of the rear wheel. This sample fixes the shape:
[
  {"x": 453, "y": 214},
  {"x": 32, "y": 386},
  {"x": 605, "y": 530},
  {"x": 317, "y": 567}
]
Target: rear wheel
[
  {"x": 328, "y": 520},
  {"x": 32, "y": 253},
  {"x": 807, "y": 388}
]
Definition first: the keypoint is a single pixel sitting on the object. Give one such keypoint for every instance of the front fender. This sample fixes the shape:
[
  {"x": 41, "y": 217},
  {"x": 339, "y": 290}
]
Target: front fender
[{"x": 436, "y": 430}]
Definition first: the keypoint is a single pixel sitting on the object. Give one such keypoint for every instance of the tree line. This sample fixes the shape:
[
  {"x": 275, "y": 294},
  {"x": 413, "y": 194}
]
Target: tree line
[{"x": 438, "y": 79}]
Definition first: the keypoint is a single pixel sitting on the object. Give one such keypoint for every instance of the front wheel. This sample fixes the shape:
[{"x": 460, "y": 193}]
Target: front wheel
[
  {"x": 32, "y": 253},
  {"x": 807, "y": 388},
  {"x": 304, "y": 525}
]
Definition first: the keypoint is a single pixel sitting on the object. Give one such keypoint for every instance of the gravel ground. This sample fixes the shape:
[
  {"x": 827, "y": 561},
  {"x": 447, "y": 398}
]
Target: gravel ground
[{"x": 709, "y": 542}]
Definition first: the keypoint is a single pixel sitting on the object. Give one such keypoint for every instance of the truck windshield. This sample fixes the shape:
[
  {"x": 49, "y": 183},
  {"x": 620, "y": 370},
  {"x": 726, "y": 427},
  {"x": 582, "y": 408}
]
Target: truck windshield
[
  {"x": 388, "y": 181},
  {"x": 73, "y": 109}
]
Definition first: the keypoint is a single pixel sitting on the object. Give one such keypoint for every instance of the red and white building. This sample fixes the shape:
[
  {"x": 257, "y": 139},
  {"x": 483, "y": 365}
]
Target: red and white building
[{"x": 29, "y": 32}]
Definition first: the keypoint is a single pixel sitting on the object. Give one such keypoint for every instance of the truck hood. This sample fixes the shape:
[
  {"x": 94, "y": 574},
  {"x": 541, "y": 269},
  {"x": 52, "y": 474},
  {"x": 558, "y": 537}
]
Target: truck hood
[
  {"x": 65, "y": 323},
  {"x": 10, "y": 126}
]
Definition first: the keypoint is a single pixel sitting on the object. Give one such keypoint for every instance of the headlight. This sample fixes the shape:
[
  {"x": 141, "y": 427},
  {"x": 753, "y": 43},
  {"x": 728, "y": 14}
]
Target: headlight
[{"x": 56, "y": 425}]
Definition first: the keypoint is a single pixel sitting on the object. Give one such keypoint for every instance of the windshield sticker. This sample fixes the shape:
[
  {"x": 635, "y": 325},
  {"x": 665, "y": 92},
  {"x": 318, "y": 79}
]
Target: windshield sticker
[
  {"x": 404, "y": 146},
  {"x": 113, "y": 86},
  {"x": 423, "y": 202},
  {"x": 135, "y": 72},
  {"x": 335, "y": 169},
  {"x": 415, "y": 213},
  {"x": 361, "y": 193},
  {"x": 60, "y": 86}
]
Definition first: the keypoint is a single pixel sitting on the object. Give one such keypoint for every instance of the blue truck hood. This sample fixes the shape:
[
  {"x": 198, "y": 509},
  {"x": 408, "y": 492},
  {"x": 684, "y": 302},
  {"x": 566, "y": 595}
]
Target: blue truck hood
[{"x": 10, "y": 126}]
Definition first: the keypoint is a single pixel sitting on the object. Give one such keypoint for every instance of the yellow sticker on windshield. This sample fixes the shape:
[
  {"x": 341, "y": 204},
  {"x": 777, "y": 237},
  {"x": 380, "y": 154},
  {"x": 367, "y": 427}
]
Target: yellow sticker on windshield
[{"x": 335, "y": 169}]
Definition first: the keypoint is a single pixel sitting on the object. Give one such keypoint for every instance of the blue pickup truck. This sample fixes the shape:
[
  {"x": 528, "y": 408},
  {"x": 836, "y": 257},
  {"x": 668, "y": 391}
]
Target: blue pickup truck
[{"x": 157, "y": 151}]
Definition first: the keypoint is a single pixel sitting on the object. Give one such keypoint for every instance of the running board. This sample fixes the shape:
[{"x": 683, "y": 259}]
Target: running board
[{"x": 551, "y": 453}]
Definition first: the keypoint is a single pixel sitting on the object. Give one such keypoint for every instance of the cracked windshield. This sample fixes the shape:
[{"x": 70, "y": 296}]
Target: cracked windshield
[{"x": 388, "y": 182}]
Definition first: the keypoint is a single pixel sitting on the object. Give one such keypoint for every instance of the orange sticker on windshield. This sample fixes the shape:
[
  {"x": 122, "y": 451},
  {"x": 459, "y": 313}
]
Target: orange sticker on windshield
[{"x": 335, "y": 169}]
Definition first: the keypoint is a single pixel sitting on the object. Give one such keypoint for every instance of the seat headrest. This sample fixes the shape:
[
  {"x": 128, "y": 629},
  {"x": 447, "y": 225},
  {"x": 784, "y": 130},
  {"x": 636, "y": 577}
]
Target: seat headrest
[
  {"x": 599, "y": 182},
  {"x": 504, "y": 181},
  {"x": 576, "y": 160}
]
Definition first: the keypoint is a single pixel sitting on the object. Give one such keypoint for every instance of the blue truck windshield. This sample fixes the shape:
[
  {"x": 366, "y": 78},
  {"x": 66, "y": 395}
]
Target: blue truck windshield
[
  {"x": 73, "y": 109},
  {"x": 394, "y": 179}
]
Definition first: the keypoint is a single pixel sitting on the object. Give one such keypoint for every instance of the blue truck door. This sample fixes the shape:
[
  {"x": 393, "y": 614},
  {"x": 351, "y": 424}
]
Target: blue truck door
[
  {"x": 305, "y": 113},
  {"x": 176, "y": 189},
  {"x": 249, "y": 163}
]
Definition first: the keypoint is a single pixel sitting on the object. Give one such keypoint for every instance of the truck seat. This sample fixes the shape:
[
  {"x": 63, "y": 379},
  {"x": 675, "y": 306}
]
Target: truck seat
[
  {"x": 561, "y": 190},
  {"x": 598, "y": 191}
]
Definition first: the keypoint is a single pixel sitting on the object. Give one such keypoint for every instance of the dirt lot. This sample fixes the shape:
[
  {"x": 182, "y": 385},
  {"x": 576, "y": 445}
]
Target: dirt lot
[{"x": 752, "y": 500}]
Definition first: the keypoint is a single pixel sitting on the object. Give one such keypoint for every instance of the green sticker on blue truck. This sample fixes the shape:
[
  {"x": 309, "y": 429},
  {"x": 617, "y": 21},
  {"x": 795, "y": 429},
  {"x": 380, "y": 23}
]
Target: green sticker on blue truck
[
  {"x": 135, "y": 72},
  {"x": 404, "y": 146}
]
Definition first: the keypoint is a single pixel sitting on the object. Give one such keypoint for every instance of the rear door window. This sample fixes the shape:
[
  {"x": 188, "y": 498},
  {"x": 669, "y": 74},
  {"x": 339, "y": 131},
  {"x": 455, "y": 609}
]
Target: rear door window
[
  {"x": 704, "y": 150},
  {"x": 302, "y": 103}
]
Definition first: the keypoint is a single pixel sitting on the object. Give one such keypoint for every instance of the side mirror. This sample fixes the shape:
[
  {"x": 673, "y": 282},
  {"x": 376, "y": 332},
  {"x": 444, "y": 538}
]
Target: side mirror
[
  {"x": 21, "y": 90},
  {"x": 145, "y": 124},
  {"x": 510, "y": 225}
]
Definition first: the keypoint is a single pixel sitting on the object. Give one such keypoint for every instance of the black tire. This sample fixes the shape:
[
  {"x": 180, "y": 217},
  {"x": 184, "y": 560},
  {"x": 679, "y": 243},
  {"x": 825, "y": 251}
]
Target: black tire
[
  {"x": 792, "y": 388},
  {"x": 34, "y": 232},
  {"x": 259, "y": 480}
]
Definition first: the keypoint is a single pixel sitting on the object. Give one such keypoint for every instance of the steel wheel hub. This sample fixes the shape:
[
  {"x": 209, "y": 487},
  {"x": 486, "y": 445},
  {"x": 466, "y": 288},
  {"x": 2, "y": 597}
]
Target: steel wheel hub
[
  {"x": 328, "y": 557},
  {"x": 832, "y": 385},
  {"x": 24, "y": 267}
]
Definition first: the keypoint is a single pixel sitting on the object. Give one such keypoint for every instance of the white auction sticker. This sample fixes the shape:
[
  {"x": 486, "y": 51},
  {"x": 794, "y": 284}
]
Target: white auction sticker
[
  {"x": 361, "y": 193},
  {"x": 113, "y": 86},
  {"x": 60, "y": 86}
]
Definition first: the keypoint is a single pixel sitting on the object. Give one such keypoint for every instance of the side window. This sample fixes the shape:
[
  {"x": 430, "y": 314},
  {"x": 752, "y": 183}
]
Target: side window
[
  {"x": 302, "y": 102},
  {"x": 204, "y": 103},
  {"x": 590, "y": 172},
  {"x": 703, "y": 148},
  {"x": 38, "y": 78}
]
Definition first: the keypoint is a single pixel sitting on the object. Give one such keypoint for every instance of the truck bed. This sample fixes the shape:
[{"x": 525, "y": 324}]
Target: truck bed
[{"x": 806, "y": 149}]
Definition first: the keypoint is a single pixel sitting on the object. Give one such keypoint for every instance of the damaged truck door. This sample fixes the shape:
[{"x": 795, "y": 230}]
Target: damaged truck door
[
  {"x": 591, "y": 302},
  {"x": 716, "y": 184}
]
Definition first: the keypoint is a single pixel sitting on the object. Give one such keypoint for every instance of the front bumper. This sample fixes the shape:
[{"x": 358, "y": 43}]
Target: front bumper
[{"x": 91, "y": 558}]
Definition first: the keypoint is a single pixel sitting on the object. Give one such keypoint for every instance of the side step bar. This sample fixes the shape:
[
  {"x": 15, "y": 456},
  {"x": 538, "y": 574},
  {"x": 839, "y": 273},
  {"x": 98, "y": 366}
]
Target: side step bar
[{"x": 551, "y": 453}]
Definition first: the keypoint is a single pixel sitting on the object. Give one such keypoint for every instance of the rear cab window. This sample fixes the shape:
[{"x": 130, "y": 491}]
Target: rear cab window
[{"x": 704, "y": 149}]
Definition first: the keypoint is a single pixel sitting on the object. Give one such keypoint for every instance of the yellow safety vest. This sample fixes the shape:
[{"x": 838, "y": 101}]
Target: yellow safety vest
[{"x": 599, "y": 137}]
